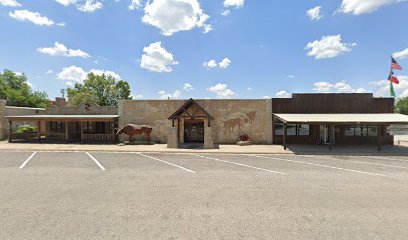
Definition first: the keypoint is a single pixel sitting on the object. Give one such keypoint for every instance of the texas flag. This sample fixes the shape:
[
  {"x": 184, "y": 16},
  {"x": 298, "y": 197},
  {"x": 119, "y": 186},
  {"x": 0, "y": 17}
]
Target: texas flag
[{"x": 393, "y": 78}]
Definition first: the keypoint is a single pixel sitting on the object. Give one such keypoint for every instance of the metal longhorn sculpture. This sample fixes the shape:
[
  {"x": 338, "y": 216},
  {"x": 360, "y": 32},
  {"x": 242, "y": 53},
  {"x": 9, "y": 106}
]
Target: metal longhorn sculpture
[{"x": 132, "y": 129}]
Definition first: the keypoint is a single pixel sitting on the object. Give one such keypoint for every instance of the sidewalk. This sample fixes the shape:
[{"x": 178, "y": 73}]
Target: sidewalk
[{"x": 224, "y": 149}]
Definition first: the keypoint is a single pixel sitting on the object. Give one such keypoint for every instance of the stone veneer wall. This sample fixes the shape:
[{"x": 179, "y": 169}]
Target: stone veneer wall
[
  {"x": 2, "y": 119},
  {"x": 254, "y": 117}
]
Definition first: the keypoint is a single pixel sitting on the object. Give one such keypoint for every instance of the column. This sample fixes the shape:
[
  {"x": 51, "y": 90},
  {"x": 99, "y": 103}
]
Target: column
[
  {"x": 39, "y": 131},
  {"x": 11, "y": 131},
  {"x": 379, "y": 136},
  {"x": 285, "y": 132}
]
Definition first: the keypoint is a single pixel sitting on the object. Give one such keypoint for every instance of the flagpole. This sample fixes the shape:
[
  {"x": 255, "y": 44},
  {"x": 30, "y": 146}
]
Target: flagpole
[{"x": 392, "y": 92}]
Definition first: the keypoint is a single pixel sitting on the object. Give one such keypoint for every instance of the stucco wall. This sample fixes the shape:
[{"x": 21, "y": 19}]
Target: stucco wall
[
  {"x": 83, "y": 109},
  {"x": 254, "y": 117},
  {"x": 19, "y": 111}
]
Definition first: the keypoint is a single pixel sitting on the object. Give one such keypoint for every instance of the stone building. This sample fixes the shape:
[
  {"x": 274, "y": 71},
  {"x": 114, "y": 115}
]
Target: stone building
[{"x": 302, "y": 119}]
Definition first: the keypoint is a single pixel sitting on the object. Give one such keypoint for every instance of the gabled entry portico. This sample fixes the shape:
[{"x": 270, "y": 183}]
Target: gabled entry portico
[{"x": 190, "y": 123}]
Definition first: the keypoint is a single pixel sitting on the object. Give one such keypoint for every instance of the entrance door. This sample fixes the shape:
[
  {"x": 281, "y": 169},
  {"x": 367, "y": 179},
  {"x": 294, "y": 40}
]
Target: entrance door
[
  {"x": 194, "y": 131},
  {"x": 324, "y": 134}
]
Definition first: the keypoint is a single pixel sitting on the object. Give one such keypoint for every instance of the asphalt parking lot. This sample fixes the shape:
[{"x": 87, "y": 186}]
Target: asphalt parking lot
[{"x": 100, "y": 195}]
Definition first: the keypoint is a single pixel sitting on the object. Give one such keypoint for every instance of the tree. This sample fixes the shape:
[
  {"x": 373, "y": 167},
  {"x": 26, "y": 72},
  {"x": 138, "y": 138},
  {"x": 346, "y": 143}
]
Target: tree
[
  {"x": 15, "y": 89},
  {"x": 103, "y": 90},
  {"x": 402, "y": 106}
]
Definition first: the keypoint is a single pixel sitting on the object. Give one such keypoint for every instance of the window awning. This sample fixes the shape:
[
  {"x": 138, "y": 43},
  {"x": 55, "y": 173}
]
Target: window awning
[
  {"x": 63, "y": 118},
  {"x": 341, "y": 118}
]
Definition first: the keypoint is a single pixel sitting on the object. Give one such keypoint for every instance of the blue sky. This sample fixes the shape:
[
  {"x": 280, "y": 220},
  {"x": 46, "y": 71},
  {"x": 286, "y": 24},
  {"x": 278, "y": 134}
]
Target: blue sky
[{"x": 208, "y": 49}]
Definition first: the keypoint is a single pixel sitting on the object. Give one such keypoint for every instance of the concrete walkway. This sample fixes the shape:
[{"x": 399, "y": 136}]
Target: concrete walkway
[{"x": 224, "y": 149}]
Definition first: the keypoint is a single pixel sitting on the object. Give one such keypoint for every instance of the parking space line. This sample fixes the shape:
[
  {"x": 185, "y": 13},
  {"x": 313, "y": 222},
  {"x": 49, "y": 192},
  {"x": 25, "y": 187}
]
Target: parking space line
[
  {"x": 385, "y": 158},
  {"x": 354, "y": 161},
  {"x": 96, "y": 161},
  {"x": 239, "y": 164},
  {"x": 169, "y": 163},
  {"x": 321, "y": 165},
  {"x": 27, "y": 160}
]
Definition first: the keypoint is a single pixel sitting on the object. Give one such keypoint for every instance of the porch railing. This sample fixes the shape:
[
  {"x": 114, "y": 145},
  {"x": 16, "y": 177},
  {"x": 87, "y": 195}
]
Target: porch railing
[{"x": 97, "y": 138}]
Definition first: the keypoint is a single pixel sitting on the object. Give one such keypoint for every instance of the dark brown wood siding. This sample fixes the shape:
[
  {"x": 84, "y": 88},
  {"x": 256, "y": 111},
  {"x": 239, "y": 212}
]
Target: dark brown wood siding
[{"x": 332, "y": 103}]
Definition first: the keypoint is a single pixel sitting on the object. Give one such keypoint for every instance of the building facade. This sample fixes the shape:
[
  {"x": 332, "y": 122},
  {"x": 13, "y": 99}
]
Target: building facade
[{"x": 211, "y": 122}]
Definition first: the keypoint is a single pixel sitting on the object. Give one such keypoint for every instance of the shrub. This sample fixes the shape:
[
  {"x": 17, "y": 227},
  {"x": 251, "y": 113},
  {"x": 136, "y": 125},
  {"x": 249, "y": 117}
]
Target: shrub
[
  {"x": 26, "y": 128},
  {"x": 244, "y": 137}
]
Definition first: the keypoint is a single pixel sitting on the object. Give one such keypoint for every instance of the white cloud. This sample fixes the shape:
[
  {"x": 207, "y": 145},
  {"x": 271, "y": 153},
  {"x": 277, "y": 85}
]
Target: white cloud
[
  {"x": 137, "y": 96},
  {"x": 172, "y": 16},
  {"x": 222, "y": 91},
  {"x": 314, "y": 13},
  {"x": 165, "y": 95},
  {"x": 322, "y": 86},
  {"x": 74, "y": 74},
  {"x": 135, "y": 4},
  {"x": 358, "y": 7},
  {"x": 328, "y": 47},
  {"x": 382, "y": 87},
  {"x": 339, "y": 87},
  {"x": 226, "y": 12},
  {"x": 249, "y": 88},
  {"x": 90, "y": 6},
  {"x": 10, "y": 3},
  {"x": 402, "y": 54},
  {"x": 188, "y": 87},
  {"x": 34, "y": 17},
  {"x": 107, "y": 73},
  {"x": 60, "y": 49},
  {"x": 210, "y": 64},
  {"x": 234, "y": 3},
  {"x": 224, "y": 63},
  {"x": 49, "y": 72},
  {"x": 266, "y": 97},
  {"x": 66, "y": 2},
  {"x": 283, "y": 94},
  {"x": 157, "y": 59},
  {"x": 291, "y": 76}
]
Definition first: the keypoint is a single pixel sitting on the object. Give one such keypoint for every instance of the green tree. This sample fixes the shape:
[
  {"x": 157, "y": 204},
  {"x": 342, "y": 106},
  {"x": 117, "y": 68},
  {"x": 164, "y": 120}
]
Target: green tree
[
  {"x": 103, "y": 90},
  {"x": 402, "y": 106},
  {"x": 15, "y": 89}
]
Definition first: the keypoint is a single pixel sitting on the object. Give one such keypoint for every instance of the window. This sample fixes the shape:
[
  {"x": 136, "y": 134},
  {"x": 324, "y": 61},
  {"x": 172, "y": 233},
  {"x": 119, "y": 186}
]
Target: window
[
  {"x": 372, "y": 131},
  {"x": 360, "y": 130},
  {"x": 279, "y": 129},
  {"x": 292, "y": 129},
  {"x": 303, "y": 130},
  {"x": 57, "y": 126}
]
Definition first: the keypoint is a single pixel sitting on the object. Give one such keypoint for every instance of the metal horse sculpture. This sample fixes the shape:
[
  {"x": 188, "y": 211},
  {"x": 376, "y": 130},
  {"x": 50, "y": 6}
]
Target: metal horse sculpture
[{"x": 132, "y": 129}]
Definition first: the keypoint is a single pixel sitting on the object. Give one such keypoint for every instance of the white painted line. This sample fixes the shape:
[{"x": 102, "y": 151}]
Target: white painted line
[
  {"x": 239, "y": 164},
  {"x": 96, "y": 161},
  {"x": 28, "y": 159},
  {"x": 362, "y": 162},
  {"x": 385, "y": 158},
  {"x": 171, "y": 164},
  {"x": 321, "y": 165}
]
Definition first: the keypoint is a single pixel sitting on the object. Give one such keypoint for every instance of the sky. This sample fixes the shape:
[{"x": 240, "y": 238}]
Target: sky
[{"x": 177, "y": 49}]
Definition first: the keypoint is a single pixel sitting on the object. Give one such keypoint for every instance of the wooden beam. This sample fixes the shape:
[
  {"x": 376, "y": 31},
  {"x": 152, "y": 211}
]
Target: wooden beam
[
  {"x": 66, "y": 131},
  {"x": 11, "y": 131},
  {"x": 82, "y": 131},
  {"x": 39, "y": 130},
  {"x": 113, "y": 131},
  {"x": 379, "y": 136},
  {"x": 285, "y": 132}
]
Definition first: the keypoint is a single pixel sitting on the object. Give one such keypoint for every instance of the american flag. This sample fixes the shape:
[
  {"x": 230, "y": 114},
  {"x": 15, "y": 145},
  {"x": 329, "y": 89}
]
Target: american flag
[{"x": 395, "y": 65}]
